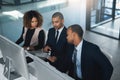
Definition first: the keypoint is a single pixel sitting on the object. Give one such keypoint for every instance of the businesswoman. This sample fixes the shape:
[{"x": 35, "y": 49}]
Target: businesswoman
[{"x": 32, "y": 34}]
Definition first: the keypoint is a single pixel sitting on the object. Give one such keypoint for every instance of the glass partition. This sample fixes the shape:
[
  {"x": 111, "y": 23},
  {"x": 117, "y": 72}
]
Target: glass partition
[{"x": 104, "y": 17}]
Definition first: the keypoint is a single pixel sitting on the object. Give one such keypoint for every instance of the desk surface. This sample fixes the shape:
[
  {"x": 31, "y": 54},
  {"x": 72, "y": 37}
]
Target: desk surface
[
  {"x": 40, "y": 70},
  {"x": 44, "y": 71}
]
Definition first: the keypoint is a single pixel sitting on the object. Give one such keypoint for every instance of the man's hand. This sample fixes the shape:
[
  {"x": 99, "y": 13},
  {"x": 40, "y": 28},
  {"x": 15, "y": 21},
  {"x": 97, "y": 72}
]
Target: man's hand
[
  {"x": 52, "y": 58},
  {"x": 46, "y": 49}
]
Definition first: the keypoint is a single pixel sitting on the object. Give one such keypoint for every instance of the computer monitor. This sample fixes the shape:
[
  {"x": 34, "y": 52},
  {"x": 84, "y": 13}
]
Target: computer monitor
[{"x": 16, "y": 55}]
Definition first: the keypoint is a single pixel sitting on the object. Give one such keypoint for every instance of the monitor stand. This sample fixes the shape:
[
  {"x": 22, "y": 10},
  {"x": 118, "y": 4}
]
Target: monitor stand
[
  {"x": 7, "y": 68},
  {"x": 14, "y": 75},
  {"x": 9, "y": 71}
]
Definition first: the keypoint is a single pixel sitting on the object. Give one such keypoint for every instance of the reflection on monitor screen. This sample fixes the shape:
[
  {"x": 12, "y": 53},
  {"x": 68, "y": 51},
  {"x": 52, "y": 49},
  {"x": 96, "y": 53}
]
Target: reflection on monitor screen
[{"x": 16, "y": 54}]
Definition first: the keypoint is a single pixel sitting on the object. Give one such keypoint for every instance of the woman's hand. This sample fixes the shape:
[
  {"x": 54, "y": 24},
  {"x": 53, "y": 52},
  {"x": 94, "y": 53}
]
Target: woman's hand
[{"x": 30, "y": 48}]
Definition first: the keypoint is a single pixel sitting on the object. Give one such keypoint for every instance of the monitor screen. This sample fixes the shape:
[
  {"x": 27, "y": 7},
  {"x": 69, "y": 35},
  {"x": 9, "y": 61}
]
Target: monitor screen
[{"x": 16, "y": 54}]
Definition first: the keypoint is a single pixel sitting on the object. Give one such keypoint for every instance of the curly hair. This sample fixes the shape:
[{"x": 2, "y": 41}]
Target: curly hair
[{"x": 28, "y": 17}]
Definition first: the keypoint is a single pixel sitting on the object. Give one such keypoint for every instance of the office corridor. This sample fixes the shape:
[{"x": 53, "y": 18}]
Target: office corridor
[{"x": 110, "y": 47}]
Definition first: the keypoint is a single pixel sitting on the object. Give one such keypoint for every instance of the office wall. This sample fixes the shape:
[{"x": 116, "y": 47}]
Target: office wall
[
  {"x": 12, "y": 29},
  {"x": 74, "y": 13}
]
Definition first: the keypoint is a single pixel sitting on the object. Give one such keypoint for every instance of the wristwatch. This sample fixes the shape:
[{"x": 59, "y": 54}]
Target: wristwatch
[{"x": 28, "y": 48}]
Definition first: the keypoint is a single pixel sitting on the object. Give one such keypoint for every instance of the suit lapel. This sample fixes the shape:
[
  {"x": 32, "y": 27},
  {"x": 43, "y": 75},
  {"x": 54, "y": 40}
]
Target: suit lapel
[
  {"x": 62, "y": 35},
  {"x": 83, "y": 56}
]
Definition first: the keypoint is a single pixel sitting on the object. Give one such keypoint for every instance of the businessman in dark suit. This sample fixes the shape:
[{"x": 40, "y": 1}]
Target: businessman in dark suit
[
  {"x": 57, "y": 44},
  {"x": 89, "y": 62}
]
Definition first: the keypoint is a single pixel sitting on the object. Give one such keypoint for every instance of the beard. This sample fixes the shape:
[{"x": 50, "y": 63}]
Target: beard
[{"x": 70, "y": 41}]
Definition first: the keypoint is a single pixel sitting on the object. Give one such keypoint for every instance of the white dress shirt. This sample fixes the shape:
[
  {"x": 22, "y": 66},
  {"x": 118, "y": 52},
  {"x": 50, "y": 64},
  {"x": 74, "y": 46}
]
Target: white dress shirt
[
  {"x": 78, "y": 60},
  {"x": 60, "y": 30}
]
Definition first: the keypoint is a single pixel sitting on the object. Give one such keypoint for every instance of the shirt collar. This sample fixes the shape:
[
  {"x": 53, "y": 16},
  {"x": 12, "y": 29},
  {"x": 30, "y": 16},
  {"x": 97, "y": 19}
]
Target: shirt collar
[
  {"x": 79, "y": 46},
  {"x": 60, "y": 30}
]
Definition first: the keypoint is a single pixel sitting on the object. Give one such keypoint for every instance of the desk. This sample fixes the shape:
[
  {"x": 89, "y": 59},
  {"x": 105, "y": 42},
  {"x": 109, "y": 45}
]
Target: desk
[
  {"x": 39, "y": 70},
  {"x": 44, "y": 71}
]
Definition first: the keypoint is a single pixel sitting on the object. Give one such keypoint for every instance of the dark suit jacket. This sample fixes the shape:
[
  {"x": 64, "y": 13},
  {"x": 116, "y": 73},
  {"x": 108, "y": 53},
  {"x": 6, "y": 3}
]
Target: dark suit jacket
[
  {"x": 94, "y": 64},
  {"x": 61, "y": 50}
]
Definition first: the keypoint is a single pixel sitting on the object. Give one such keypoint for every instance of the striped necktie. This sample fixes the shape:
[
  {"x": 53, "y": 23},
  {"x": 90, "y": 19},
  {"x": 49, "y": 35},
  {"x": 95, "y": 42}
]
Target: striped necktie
[{"x": 74, "y": 61}]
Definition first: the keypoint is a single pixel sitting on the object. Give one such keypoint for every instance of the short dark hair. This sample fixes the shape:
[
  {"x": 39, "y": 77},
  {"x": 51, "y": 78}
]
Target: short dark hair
[
  {"x": 28, "y": 17},
  {"x": 77, "y": 29},
  {"x": 58, "y": 14}
]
